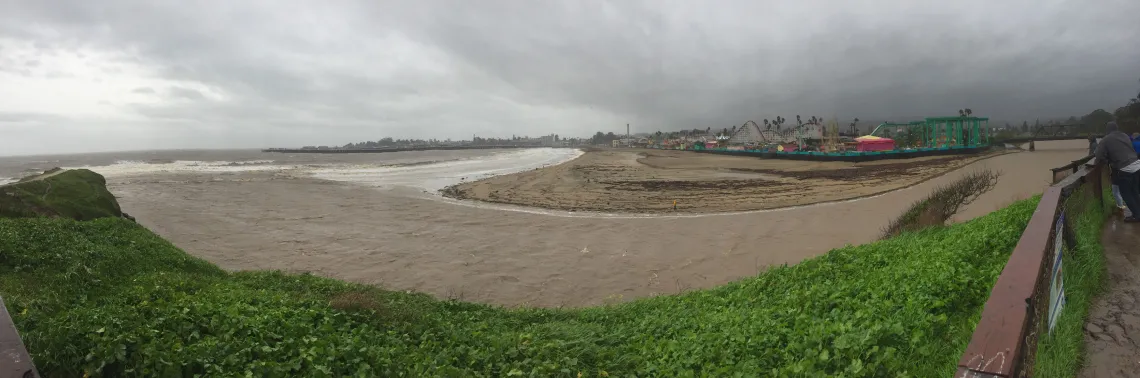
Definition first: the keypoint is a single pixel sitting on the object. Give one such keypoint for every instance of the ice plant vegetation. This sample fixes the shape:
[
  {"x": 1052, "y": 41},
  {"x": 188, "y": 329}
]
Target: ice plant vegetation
[{"x": 106, "y": 297}]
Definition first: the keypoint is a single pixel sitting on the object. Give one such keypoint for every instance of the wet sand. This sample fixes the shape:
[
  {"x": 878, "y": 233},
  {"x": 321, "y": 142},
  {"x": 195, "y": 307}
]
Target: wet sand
[
  {"x": 649, "y": 181},
  {"x": 405, "y": 239}
]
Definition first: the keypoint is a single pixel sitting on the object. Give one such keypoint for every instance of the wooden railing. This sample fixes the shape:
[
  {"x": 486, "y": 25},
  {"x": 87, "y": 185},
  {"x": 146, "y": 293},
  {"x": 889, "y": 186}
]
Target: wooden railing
[
  {"x": 1006, "y": 336},
  {"x": 1061, "y": 172},
  {"x": 14, "y": 359}
]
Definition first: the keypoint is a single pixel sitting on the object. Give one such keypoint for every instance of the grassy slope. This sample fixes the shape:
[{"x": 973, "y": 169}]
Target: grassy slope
[
  {"x": 78, "y": 194},
  {"x": 1085, "y": 277},
  {"x": 108, "y": 296}
]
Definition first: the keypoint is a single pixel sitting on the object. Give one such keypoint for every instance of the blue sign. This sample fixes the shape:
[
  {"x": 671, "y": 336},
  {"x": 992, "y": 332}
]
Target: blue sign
[{"x": 1056, "y": 278}]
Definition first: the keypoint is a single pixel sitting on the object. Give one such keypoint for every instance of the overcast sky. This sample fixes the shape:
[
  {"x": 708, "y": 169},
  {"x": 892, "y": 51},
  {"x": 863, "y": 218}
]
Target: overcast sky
[{"x": 97, "y": 75}]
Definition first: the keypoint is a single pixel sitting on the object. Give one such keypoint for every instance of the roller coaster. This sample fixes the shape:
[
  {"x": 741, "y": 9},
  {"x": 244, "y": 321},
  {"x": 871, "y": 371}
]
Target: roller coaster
[{"x": 812, "y": 130}]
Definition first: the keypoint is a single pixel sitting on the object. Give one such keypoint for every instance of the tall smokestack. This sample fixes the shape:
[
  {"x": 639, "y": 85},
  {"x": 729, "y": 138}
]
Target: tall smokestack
[{"x": 627, "y": 131}]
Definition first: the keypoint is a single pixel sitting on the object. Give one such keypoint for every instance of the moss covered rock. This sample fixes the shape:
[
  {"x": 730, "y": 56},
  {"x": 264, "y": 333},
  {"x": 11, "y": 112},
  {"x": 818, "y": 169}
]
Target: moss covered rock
[{"x": 78, "y": 194}]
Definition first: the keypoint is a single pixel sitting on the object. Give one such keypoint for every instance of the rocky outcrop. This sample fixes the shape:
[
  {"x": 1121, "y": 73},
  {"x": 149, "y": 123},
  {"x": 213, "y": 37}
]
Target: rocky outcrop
[{"x": 78, "y": 194}]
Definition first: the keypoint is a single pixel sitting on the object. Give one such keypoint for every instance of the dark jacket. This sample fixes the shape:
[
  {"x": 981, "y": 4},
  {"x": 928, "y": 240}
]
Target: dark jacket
[{"x": 1116, "y": 149}]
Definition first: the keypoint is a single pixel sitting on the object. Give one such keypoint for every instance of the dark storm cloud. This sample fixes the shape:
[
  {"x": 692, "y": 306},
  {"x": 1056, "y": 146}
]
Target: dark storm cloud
[
  {"x": 732, "y": 62},
  {"x": 363, "y": 69}
]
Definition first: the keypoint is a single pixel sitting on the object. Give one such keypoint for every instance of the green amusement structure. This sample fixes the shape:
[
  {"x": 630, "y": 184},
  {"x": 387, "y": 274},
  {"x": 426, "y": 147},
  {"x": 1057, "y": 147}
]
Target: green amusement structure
[
  {"x": 932, "y": 136},
  {"x": 938, "y": 132}
]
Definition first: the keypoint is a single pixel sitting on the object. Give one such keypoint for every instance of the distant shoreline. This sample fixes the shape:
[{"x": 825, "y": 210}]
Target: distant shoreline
[{"x": 396, "y": 149}]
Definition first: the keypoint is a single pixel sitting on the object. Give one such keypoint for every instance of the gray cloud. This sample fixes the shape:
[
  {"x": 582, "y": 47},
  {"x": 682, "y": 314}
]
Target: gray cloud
[
  {"x": 28, "y": 117},
  {"x": 446, "y": 69},
  {"x": 184, "y": 94}
]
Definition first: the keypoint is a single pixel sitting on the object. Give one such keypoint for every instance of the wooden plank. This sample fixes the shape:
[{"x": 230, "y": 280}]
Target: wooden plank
[
  {"x": 14, "y": 359},
  {"x": 967, "y": 373},
  {"x": 996, "y": 347}
]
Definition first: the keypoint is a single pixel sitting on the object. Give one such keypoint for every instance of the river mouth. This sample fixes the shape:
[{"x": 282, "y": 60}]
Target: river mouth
[{"x": 401, "y": 238}]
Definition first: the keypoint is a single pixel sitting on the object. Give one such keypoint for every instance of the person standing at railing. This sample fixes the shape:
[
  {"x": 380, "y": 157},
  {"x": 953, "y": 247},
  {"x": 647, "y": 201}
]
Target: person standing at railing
[
  {"x": 1115, "y": 149},
  {"x": 1115, "y": 188},
  {"x": 1136, "y": 143}
]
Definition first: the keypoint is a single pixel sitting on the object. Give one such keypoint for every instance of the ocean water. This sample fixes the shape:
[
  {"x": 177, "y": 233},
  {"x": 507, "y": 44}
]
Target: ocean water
[{"x": 422, "y": 170}]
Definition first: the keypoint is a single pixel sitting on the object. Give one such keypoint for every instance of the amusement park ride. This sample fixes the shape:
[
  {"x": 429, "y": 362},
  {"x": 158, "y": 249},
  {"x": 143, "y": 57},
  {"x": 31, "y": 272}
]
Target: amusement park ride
[
  {"x": 937, "y": 132},
  {"x": 815, "y": 140},
  {"x": 806, "y": 132},
  {"x": 933, "y": 132}
]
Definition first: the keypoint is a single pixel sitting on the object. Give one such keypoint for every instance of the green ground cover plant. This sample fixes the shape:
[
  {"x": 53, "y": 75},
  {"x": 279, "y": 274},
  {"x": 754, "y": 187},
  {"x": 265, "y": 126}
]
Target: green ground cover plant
[
  {"x": 107, "y": 297},
  {"x": 1061, "y": 354}
]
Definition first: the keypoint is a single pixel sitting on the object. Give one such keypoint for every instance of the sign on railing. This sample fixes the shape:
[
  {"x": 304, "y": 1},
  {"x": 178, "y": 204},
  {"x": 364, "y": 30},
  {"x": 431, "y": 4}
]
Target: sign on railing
[
  {"x": 1029, "y": 294},
  {"x": 1057, "y": 280}
]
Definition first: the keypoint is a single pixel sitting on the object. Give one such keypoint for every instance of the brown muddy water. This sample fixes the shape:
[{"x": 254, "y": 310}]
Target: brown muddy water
[{"x": 374, "y": 218}]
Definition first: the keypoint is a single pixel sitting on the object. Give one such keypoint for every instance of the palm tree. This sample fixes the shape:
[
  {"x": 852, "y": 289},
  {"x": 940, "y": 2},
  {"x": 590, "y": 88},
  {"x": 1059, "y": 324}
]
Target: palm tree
[
  {"x": 798, "y": 121},
  {"x": 708, "y": 130},
  {"x": 766, "y": 125},
  {"x": 969, "y": 112}
]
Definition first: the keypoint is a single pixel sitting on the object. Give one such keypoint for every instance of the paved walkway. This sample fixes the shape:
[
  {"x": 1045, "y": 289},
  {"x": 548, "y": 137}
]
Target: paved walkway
[{"x": 1112, "y": 334}]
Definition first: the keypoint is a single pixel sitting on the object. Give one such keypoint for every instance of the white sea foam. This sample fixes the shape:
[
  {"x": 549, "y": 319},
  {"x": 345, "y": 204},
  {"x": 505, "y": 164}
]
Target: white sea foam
[
  {"x": 428, "y": 175},
  {"x": 135, "y": 167},
  {"x": 435, "y": 176}
]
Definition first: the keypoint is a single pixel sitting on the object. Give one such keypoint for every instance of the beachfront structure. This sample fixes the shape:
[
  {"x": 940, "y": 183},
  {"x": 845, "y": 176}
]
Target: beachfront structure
[
  {"x": 932, "y": 136},
  {"x": 752, "y": 133},
  {"x": 869, "y": 143},
  {"x": 938, "y": 132}
]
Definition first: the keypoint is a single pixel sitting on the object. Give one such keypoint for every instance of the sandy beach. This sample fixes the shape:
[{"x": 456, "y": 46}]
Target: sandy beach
[
  {"x": 378, "y": 220},
  {"x": 649, "y": 181}
]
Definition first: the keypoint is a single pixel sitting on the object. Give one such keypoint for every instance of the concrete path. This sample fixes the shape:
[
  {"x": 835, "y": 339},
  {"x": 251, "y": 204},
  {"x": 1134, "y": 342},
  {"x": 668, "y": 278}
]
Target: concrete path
[{"x": 1112, "y": 335}]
